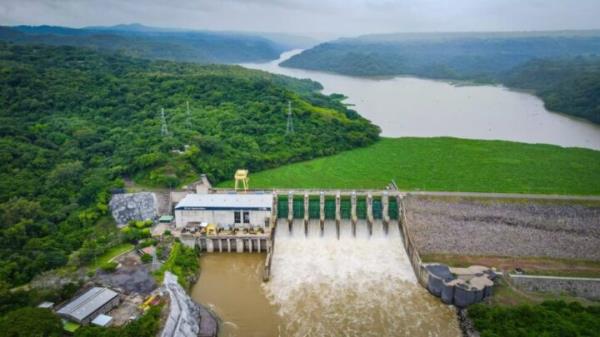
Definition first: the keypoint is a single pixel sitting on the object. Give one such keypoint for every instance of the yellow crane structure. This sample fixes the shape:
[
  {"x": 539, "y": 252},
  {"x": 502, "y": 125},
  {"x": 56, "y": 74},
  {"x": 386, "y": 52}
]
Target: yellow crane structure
[{"x": 241, "y": 176}]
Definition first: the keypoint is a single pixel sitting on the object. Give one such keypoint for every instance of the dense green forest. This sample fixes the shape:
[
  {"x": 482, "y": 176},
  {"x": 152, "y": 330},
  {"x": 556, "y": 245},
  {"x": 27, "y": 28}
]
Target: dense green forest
[
  {"x": 566, "y": 85},
  {"x": 75, "y": 122},
  {"x": 562, "y": 68},
  {"x": 549, "y": 319},
  {"x": 155, "y": 43}
]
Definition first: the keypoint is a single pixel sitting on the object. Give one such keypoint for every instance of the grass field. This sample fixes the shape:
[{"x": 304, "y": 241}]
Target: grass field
[
  {"x": 111, "y": 253},
  {"x": 445, "y": 164}
]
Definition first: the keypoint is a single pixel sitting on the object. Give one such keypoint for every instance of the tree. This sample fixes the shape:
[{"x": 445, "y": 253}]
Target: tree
[{"x": 30, "y": 322}]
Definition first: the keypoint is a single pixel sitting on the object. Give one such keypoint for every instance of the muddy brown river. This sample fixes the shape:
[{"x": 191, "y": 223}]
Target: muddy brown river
[{"x": 322, "y": 286}]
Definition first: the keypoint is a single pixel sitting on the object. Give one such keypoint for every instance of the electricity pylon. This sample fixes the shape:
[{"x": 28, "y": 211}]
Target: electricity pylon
[{"x": 290, "y": 120}]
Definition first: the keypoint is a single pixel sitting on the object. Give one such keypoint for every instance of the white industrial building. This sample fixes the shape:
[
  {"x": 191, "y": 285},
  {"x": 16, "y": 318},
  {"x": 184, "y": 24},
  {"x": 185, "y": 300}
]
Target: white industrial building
[
  {"x": 239, "y": 210},
  {"x": 89, "y": 305}
]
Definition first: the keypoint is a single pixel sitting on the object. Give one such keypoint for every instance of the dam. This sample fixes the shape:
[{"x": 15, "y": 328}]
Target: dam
[{"x": 335, "y": 264}]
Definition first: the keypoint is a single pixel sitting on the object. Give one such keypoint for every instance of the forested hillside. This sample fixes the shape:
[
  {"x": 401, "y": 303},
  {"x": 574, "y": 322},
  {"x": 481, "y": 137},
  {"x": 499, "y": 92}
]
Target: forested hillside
[
  {"x": 153, "y": 43},
  {"x": 566, "y": 85},
  {"x": 561, "y": 68},
  {"x": 75, "y": 122}
]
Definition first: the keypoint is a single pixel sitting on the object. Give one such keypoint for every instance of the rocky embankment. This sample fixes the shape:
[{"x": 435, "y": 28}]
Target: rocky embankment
[
  {"x": 133, "y": 206},
  {"x": 186, "y": 318},
  {"x": 475, "y": 226}
]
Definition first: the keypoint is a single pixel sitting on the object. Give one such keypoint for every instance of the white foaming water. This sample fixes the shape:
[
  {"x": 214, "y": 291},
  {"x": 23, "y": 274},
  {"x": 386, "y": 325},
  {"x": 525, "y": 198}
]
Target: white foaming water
[{"x": 354, "y": 286}]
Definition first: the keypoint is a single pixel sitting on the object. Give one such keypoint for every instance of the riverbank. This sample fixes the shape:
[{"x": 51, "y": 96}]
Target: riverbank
[{"x": 445, "y": 164}]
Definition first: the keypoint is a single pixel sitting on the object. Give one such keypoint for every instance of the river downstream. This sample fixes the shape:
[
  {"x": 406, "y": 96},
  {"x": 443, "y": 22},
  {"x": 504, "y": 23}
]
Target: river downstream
[
  {"x": 323, "y": 286},
  {"x": 413, "y": 107}
]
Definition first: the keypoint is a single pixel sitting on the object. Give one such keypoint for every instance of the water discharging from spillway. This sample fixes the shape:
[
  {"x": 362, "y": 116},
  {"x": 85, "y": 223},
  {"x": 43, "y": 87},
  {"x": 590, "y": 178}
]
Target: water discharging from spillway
[
  {"x": 354, "y": 286},
  {"x": 322, "y": 286}
]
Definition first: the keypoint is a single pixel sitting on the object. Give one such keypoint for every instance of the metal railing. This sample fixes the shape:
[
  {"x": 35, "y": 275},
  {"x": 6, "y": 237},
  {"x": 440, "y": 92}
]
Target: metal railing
[
  {"x": 411, "y": 249},
  {"x": 270, "y": 248}
]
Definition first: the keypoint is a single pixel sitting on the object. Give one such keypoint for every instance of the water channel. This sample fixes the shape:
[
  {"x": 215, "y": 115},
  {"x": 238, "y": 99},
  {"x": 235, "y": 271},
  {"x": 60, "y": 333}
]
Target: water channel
[
  {"x": 408, "y": 106},
  {"x": 322, "y": 286}
]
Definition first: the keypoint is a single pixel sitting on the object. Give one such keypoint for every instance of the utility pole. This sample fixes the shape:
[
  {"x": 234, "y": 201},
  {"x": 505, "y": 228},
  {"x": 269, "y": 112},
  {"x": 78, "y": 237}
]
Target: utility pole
[
  {"x": 164, "y": 131},
  {"x": 290, "y": 121}
]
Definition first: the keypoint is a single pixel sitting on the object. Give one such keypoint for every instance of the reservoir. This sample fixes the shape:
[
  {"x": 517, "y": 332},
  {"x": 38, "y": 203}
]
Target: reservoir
[
  {"x": 413, "y": 107},
  {"x": 323, "y": 286}
]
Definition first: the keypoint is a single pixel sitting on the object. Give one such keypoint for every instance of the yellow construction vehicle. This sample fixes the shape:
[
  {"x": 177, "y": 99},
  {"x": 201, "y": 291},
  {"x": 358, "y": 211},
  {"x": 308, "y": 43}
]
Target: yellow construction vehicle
[
  {"x": 211, "y": 229},
  {"x": 146, "y": 305}
]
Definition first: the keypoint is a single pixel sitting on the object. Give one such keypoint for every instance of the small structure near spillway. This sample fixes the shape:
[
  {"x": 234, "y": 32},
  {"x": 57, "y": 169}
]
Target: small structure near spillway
[{"x": 459, "y": 286}]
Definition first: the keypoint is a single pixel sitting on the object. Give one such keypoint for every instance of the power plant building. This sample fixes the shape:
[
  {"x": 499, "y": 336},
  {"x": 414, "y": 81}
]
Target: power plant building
[{"x": 239, "y": 210}]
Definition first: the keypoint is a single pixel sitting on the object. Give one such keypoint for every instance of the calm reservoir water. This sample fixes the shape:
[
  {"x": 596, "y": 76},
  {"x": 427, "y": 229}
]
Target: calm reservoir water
[
  {"x": 408, "y": 106},
  {"x": 323, "y": 287}
]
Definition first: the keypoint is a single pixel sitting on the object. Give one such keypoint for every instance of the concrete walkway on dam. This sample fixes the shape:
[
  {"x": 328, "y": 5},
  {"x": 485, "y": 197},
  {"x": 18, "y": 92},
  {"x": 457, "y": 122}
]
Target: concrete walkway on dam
[
  {"x": 505, "y": 195},
  {"x": 347, "y": 192}
]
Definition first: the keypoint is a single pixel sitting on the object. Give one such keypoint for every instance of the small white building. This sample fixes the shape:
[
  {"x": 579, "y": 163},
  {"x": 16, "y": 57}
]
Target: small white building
[
  {"x": 240, "y": 210},
  {"x": 102, "y": 320}
]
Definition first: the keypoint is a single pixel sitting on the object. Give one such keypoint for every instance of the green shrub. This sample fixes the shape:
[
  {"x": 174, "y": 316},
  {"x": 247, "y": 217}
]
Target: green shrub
[
  {"x": 109, "y": 266},
  {"x": 146, "y": 258},
  {"x": 183, "y": 262},
  {"x": 549, "y": 319},
  {"x": 145, "y": 243},
  {"x": 145, "y": 233}
]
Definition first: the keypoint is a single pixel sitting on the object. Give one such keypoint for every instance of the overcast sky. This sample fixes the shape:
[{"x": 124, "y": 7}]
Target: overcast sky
[{"x": 321, "y": 18}]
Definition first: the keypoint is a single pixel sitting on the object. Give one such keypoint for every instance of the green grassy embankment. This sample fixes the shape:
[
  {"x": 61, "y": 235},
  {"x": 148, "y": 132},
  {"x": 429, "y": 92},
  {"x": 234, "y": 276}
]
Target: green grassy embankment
[
  {"x": 445, "y": 164},
  {"x": 110, "y": 254},
  {"x": 183, "y": 262}
]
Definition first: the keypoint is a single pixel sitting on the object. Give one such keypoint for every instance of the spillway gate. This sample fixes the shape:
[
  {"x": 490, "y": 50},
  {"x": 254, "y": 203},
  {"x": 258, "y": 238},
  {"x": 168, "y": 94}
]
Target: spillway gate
[{"x": 349, "y": 206}]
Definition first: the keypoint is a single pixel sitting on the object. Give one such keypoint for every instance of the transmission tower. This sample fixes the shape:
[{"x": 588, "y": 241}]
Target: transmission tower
[
  {"x": 188, "y": 118},
  {"x": 290, "y": 120},
  {"x": 163, "y": 129}
]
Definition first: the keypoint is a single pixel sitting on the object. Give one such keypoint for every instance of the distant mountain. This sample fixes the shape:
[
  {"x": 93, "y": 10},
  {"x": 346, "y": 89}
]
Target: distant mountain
[
  {"x": 158, "y": 43},
  {"x": 288, "y": 41},
  {"x": 471, "y": 56},
  {"x": 544, "y": 62},
  {"x": 291, "y": 41},
  {"x": 132, "y": 27}
]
